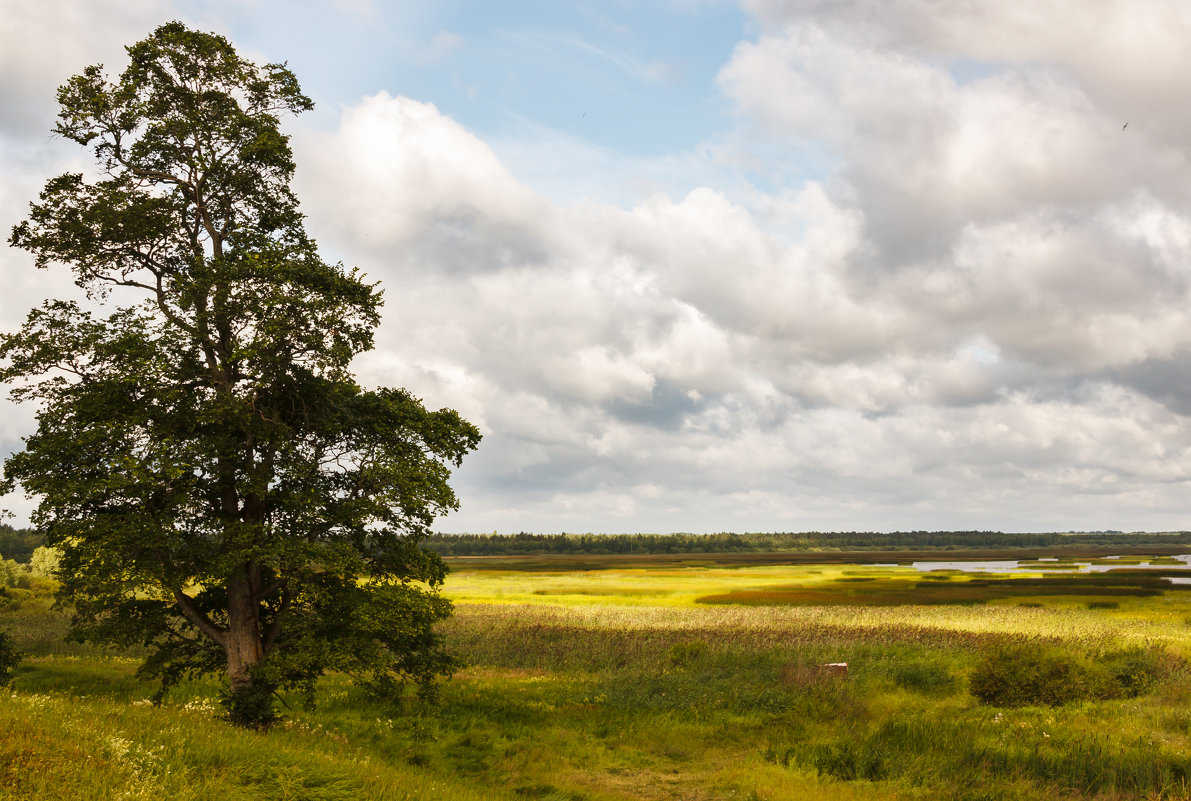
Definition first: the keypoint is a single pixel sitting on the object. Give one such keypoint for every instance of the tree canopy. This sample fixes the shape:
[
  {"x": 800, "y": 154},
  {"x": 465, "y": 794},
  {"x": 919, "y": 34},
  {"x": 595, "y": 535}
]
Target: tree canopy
[{"x": 219, "y": 486}]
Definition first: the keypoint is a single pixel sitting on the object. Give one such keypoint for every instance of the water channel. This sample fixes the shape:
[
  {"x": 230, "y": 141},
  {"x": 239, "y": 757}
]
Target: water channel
[{"x": 1102, "y": 564}]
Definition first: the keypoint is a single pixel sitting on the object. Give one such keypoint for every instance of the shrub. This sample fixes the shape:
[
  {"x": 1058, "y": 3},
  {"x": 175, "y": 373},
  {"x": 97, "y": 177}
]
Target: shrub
[
  {"x": 9, "y": 657},
  {"x": 251, "y": 705},
  {"x": 1028, "y": 675},
  {"x": 13, "y": 574},
  {"x": 1022, "y": 675},
  {"x": 44, "y": 561},
  {"x": 1133, "y": 671}
]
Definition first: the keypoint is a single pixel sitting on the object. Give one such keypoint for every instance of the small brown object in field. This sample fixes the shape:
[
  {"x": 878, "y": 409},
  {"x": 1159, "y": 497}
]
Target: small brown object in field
[{"x": 803, "y": 675}]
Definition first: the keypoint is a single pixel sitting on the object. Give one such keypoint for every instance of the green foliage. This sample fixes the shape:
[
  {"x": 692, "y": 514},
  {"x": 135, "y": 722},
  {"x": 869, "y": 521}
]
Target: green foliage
[
  {"x": 10, "y": 657},
  {"x": 218, "y": 488},
  {"x": 12, "y": 573},
  {"x": 44, "y": 562},
  {"x": 1032, "y": 674},
  {"x": 1135, "y": 671},
  {"x": 251, "y": 704},
  {"x": 19, "y": 543}
]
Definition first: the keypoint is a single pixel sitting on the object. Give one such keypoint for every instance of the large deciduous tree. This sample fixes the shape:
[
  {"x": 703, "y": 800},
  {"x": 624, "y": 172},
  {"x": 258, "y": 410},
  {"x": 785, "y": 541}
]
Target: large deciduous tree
[{"x": 219, "y": 486}]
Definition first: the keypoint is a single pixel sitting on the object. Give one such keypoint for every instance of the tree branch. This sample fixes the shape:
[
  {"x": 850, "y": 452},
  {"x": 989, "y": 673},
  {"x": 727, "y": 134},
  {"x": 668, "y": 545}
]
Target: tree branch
[
  {"x": 199, "y": 618},
  {"x": 271, "y": 633}
]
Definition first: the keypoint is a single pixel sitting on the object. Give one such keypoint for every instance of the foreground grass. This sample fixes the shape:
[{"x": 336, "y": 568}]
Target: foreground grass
[
  {"x": 62, "y": 747},
  {"x": 624, "y": 685}
]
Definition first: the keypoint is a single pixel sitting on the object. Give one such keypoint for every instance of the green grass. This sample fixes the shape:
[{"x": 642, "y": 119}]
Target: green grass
[{"x": 626, "y": 684}]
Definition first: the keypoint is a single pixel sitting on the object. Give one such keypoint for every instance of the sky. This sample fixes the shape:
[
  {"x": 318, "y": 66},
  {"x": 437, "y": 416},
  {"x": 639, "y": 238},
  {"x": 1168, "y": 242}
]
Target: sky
[{"x": 697, "y": 265}]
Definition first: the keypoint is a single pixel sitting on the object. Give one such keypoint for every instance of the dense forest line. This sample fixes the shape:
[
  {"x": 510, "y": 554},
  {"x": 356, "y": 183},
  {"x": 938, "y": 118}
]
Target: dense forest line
[
  {"x": 19, "y": 544},
  {"x": 525, "y": 543}
]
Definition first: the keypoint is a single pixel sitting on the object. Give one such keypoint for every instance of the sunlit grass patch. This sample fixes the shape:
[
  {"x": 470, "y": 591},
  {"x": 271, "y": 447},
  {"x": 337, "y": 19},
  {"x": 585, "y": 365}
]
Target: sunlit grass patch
[
  {"x": 931, "y": 590},
  {"x": 668, "y": 586},
  {"x": 611, "y": 592},
  {"x": 98, "y": 748}
]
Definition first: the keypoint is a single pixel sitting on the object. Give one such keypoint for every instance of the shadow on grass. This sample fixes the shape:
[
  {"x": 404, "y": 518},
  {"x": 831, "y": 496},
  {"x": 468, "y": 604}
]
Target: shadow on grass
[{"x": 107, "y": 678}]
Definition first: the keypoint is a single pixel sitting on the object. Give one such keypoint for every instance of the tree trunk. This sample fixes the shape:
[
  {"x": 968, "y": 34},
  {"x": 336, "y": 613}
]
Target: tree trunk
[
  {"x": 244, "y": 650},
  {"x": 249, "y": 700}
]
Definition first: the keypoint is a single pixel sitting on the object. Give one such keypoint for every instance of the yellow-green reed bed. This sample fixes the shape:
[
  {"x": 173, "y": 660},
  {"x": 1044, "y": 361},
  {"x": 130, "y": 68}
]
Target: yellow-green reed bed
[
  {"x": 1101, "y": 607},
  {"x": 660, "y": 683}
]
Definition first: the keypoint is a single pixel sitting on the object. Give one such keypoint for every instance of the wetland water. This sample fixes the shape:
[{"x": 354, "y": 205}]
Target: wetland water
[{"x": 1171, "y": 564}]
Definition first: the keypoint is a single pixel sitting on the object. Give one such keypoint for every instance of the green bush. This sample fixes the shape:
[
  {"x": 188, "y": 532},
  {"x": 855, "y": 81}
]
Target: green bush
[
  {"x": 44, "y": 562},
  {"x": 251, "y": 705},
  {"x": 1032, "y": 675},
  {"x": 1133, "y": 671},
  {"x": 13, "y": 574},
  {"x": 9, "y": 657},
  {"x": 1023, "y": 675}
]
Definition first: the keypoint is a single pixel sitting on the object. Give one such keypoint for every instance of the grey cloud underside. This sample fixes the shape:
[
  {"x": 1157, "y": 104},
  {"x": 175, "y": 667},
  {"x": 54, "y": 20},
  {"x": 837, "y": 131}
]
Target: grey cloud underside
[{"x": 1166, "y": 381}]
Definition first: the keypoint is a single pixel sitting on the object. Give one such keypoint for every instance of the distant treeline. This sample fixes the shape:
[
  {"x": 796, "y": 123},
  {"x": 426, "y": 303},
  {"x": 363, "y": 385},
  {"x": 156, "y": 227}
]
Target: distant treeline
[
  {"x": 538, "y": 544},
  {"x": 18, "y": 544}
]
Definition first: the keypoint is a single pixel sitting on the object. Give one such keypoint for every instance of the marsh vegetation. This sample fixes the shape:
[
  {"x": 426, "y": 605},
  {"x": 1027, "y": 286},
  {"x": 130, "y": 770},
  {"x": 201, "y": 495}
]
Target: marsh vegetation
[{"x": 668, "y": 681}]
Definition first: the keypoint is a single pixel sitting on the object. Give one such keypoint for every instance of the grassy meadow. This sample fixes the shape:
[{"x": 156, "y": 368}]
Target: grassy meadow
[{"x": 676, "y": 679}]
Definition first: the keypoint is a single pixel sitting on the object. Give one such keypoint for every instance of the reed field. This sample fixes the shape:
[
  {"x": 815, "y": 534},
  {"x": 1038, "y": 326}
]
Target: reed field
[{"x": 679, "y": 679}]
